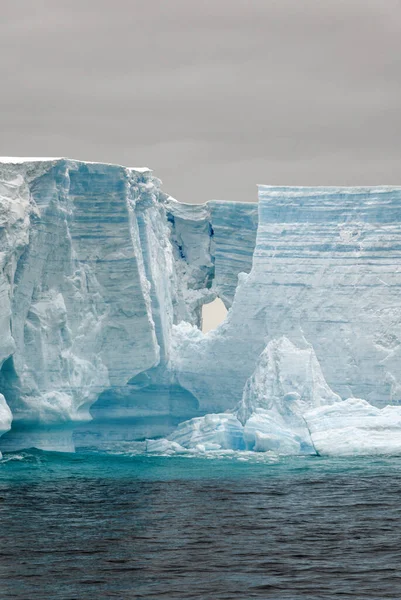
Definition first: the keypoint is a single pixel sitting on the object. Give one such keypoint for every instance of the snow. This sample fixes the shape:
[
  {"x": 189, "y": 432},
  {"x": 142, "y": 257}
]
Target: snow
[{"x": 16, "y": 160}]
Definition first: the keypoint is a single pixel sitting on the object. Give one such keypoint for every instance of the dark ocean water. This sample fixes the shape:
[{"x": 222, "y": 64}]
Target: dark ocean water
[{"x": 94, "y": 526}]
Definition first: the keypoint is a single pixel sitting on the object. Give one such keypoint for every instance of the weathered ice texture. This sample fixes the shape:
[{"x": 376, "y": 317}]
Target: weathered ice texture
[
  {"x": 330, "y": 263},
  {"x": 326, "y": 273},
  {"x": 5, "y": 417},
  {"x": 97, "y": 264},
  {"x": 233, "y": 241},
  {"x": 79, "y": 285},
  {"x": 286, "y": 383},
  {"x": 102, "y": 281},
  {"x": 355, "y": 427}
]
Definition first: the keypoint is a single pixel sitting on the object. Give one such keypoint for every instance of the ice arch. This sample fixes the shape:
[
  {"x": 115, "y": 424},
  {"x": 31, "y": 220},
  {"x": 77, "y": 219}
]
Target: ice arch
[{"x": 213, "y": 314}]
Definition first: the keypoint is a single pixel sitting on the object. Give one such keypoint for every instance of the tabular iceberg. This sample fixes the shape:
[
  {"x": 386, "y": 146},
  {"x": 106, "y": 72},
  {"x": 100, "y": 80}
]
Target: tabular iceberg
[{"x": 102, "y": 281}]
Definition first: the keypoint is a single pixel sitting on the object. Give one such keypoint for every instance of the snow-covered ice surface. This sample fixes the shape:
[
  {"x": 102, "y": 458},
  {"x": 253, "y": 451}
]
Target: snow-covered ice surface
[{"x": 102, "y": 281}]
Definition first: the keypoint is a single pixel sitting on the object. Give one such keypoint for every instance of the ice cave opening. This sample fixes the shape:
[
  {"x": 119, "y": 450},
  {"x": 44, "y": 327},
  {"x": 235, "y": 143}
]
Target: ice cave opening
[{"x": 213, "y": 313}]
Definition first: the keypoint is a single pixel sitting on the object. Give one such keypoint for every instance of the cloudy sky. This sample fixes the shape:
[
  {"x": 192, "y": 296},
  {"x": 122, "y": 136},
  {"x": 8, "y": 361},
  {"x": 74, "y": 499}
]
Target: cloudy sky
[{"x": 214, "y": 95}]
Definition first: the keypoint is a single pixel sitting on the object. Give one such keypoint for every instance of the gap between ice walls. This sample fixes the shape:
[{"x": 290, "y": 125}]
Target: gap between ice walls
[{"x": 102, "y": 281}]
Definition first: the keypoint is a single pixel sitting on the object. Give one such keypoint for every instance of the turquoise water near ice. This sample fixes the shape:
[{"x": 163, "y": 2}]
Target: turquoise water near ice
[{"x": 94, "y": 525}]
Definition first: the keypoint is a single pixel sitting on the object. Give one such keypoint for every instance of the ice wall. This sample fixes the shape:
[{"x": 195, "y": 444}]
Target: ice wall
[
  {"x": 329, "y": 262},
  {"x": 102, "y": 281},
  {"x": 196, "y": 259},
  {"x": 327, "y": 273},
  {"x": 80, "y": 301},
  {"x": 97, "y": 264}
]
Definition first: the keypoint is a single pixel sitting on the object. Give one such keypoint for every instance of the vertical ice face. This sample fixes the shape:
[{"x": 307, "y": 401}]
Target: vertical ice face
[
  {"x": 212, "y": 244},
  {"x": 192, "y": 254},
  {"x": 5, "y": 417},
  {"x": 81, "y": 314},
  {"x": 15, "y": 210},
  {"x": 102, "y": 282},
  {"x": 191, "y": 235},
  {"x": 326, "y": 273},
  {"x": 328, "y": 267},
  {"x": 234, "y": 236},
  {"x": 97, "y": 265}
]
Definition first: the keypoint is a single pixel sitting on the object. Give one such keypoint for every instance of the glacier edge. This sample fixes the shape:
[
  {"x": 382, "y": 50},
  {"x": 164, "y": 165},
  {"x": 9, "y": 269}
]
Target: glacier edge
[{"x": 102, "y": 281}]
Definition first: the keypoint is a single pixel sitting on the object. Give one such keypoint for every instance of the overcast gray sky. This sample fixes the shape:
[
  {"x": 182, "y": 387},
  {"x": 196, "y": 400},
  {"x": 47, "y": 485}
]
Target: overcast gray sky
[{"x": 216, "y": 96}]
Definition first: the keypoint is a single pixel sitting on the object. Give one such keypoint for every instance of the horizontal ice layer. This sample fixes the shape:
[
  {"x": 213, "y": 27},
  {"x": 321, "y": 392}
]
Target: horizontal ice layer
[
  {"x": 326, "y": 273},
  {"x": 328, "y": 267},
  {"x": 96, "y": 265},
  {"x": 102, "y": 282},
  {"x": 78, "y": 289},
  {"x": 355, "y": 427},
  {"x": 234, "y": 237}
]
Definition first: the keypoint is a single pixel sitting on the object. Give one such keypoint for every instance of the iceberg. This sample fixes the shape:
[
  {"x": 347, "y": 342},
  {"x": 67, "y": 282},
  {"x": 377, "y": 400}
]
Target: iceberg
[{"x": 103, "y": 277}]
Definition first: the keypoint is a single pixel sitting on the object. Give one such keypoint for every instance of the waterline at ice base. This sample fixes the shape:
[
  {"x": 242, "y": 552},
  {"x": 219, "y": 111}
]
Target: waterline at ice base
[{"x": 103, "y": 282}]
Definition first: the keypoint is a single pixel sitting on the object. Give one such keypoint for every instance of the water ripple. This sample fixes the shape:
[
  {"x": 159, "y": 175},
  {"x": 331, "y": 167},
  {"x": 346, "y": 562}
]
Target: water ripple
[{"x": 117, "y": 527}]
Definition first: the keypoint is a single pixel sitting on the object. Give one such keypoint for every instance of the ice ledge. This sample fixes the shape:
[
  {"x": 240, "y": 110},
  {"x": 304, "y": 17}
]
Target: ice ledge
[
  {"x": 18, "y": 160},
  {"x": 31, "y": 168},
  {"x": 273, "y": 191}
]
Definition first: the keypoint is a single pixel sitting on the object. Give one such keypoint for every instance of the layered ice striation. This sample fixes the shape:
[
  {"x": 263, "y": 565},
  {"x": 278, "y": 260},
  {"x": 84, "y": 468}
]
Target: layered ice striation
[
  {"x": 75, "y": 285},
  {"x": 102, "y": 281},
  {"x": 97, "y": 265}
]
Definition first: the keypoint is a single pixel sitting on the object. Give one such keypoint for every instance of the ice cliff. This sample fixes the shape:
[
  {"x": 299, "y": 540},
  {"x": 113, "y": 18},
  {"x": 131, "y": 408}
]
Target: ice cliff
[{"x": 102, "y": 281}]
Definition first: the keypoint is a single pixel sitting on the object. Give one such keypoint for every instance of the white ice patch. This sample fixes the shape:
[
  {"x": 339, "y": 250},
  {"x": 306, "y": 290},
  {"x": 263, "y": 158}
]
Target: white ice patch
[
  {"x": 262, "y": 433},
  {"x": 355, "y": 427},
  {"x": 5, "y": 416},
  {"x": 212, "y": 432}
]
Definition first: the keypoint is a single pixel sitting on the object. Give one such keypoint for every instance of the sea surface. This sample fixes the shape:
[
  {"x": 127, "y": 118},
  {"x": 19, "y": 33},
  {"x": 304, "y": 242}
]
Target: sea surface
[{"x": 102, "y": 525}]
